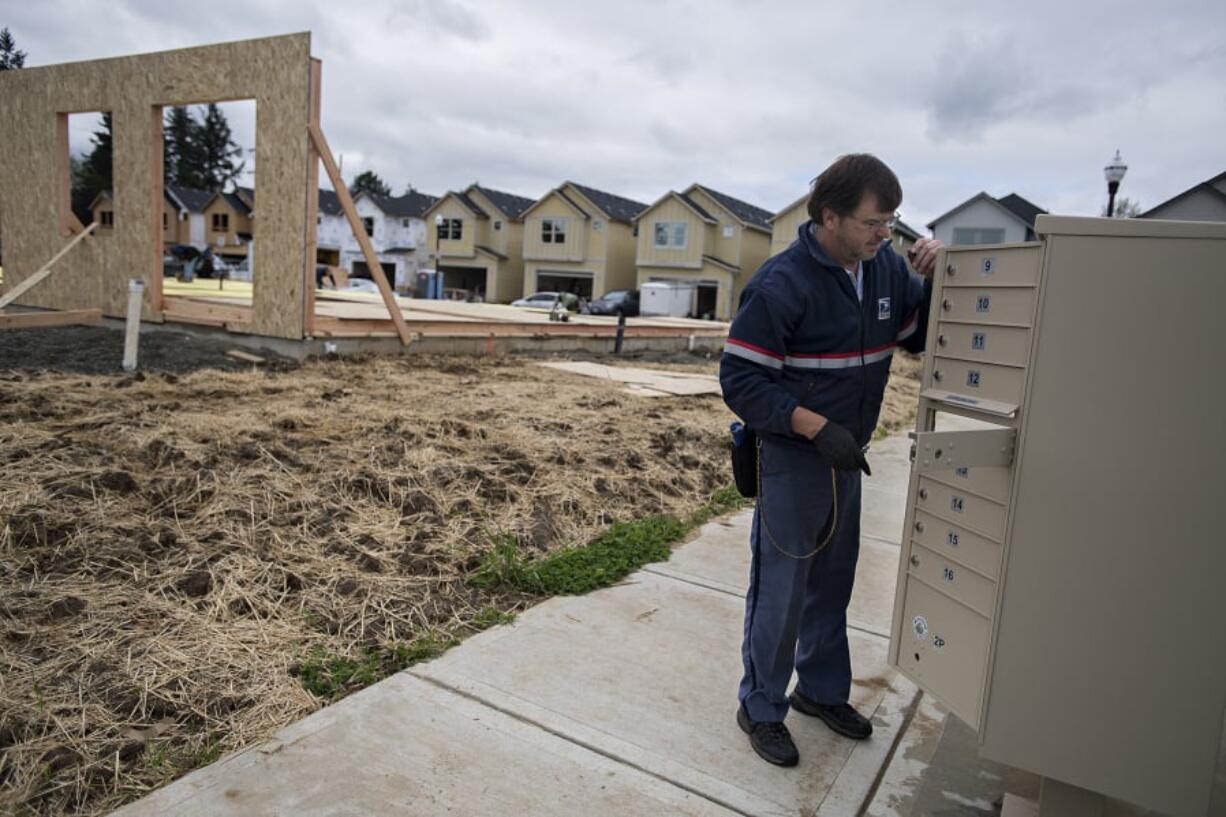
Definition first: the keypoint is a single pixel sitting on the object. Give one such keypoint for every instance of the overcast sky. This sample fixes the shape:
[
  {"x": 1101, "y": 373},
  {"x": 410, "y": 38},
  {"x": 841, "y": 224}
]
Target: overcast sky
[{"x": 752, "y": 98}]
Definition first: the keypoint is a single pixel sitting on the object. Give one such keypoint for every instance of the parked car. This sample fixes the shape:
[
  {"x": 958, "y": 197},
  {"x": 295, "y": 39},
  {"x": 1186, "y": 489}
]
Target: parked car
[
  {"x": 548, "y": 300},
  {"x": 617, "y": 302}
]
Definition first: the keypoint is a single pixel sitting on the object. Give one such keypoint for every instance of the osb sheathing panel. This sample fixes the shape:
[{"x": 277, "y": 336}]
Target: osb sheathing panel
[{"x": 275, "y": 72}]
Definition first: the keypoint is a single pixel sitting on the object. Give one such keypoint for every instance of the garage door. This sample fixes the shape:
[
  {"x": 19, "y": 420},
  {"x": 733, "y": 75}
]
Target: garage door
[{"x": 579, "y": 283}]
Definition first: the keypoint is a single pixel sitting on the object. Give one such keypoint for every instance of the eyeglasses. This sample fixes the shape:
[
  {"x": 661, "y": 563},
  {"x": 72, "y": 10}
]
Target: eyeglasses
[{"x": 875, "y": 224}]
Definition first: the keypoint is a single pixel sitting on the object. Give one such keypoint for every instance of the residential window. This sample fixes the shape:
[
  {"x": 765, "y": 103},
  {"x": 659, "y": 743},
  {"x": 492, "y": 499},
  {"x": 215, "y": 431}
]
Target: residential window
[
  {"x": 404, "y": 222},
  {"x": 450, "y": 229},
  {"x": 221, "y": 222},
  {"x": 597, "y": 225},
  {"x": 107, "y": 218},
  {"x": 368, "y": 224},
  {"x": 979, "y": 235},
  {"x": 636, "y": 231},
  {"x": 319, "y": 220},
  {"x": 553, "y": 230},
  {"x": 165, "y": 221},
  {"x": 497, "y": 225},
  {"x": 670, "y": 235},
  {"x": 728, "y": 231}
]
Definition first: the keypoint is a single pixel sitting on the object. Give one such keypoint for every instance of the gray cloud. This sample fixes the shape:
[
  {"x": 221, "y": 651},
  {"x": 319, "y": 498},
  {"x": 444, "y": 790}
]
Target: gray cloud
[{"x": 751, "y": 98}]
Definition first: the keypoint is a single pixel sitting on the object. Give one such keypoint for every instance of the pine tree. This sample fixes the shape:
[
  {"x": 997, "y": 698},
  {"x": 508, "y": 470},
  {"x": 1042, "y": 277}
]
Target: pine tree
[
  {"x": 10, "y": 57},
  {"x": 369, "y": 181},
  {"x": 218, "y": 151},
  {"x": 184, "y": 163},
  {"x": 94, "y": 173}
]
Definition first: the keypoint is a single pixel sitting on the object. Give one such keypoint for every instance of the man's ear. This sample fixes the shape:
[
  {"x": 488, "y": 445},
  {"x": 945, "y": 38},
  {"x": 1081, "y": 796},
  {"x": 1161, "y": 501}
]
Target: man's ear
[{"x": 829, "y": 218}]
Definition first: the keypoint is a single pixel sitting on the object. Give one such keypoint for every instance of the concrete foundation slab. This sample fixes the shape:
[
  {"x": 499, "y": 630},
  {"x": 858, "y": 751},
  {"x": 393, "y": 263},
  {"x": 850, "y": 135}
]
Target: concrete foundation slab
[
  {"x": 407, "y": 746},
  {"x": 646, "y": 672}
]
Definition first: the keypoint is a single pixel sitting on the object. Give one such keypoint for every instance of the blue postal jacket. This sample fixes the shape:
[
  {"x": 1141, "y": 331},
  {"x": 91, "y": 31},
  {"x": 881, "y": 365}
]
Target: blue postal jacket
[{"x": 802, "y": 337}]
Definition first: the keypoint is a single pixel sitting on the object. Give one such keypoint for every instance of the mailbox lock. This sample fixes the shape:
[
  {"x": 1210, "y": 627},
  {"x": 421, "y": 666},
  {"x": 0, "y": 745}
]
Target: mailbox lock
[
  {"x": 914, "y": 560},
  {"x": 919, "y": 526},
  {"x": 942, "y": 340},
  {"x": 923, "y": 493},
  {"x": 947, "y": 304},
  {"x": 936, "y": 375},
  {"x": 951, "y": 270}
]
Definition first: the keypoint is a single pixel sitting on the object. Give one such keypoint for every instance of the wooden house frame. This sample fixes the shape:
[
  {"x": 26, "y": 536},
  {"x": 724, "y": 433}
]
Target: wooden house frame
[{"x": 282, "y": 78}]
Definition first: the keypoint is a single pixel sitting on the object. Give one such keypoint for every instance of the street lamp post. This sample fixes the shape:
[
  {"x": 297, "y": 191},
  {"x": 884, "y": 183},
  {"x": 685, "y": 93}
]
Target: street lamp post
[{"x": 1114, "y": 173}]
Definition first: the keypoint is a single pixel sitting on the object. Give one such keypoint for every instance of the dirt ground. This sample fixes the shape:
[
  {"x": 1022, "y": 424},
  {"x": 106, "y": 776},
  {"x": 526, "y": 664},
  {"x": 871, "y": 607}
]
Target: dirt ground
[{"x": 176, "y": 546}]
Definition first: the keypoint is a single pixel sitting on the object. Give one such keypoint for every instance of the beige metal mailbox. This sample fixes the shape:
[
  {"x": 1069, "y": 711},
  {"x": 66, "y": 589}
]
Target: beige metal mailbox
[{"x": 1062, "y": 582}]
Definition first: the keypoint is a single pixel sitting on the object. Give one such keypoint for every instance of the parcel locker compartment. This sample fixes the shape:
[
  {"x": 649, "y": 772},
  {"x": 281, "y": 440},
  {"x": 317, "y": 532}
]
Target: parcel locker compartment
[
  {"x": 1007, "y": 345},
  {"x": 957, "y": 542},
  {"x": 962, "y": 508},
  {"x": 993, "y": 482},
  {"x": 943, "y": 647},
  {"x": 1001, "y": 267},
  {"x": 1009, "y": 306},
  {"x": 978, "y": 381},
  {"x": 953, "y": 579}
]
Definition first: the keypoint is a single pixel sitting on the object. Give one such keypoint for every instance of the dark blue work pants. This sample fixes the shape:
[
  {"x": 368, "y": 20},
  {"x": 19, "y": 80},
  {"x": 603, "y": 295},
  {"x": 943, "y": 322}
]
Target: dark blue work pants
[{"x": 796, "y": 607}]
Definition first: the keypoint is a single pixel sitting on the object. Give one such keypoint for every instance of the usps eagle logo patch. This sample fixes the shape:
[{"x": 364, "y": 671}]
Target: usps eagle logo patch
[{"x": 883, "y": 309}]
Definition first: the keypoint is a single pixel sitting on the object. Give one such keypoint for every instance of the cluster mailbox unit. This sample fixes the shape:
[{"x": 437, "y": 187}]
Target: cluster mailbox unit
[{"x": 1062, "y": 581}]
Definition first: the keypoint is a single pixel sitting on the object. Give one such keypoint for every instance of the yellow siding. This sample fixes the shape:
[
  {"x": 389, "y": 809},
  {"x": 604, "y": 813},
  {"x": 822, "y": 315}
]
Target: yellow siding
[
  {"x": 755, "y": 249},
  {"x": 670, "y": 209},
  {"x": 225, "y": 241},
  {"x": 104, "y": 206},
  {"x": 449, "y": 208},
  {"x": 511, "y": 271},
  {"x": 727, "y": 249},
  {"x": 170, "y": 224},
  {"x": 786, "y": 225},
  {"x": 577, "y": 227},
  {"x": 620, "y": 272},
  {"x": 486, "y": 235}
]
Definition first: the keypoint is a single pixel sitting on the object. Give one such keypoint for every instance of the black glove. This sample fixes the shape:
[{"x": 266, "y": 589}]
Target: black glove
[{"x": 836, "y": 446}]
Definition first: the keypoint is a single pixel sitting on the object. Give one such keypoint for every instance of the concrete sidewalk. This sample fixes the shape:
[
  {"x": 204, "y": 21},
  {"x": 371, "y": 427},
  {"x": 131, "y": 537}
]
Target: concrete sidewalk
[{"x": 618, "y": 702}]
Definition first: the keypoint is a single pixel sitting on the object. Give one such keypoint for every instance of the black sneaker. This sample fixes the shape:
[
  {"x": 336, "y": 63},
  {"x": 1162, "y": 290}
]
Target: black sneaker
[
  {"x": 770, "y": 739},
  {"x": 839, "y": 717}
]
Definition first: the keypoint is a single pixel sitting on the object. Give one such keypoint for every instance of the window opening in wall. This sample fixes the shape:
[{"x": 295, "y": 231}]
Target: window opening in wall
[
  {"x": 368, "y": 224},
  {"x": 497, "y": 225},
  {"x": 553, "y": 230},
  {"x": 209, "y": 181},
  {"x": 87, "y": 186}
]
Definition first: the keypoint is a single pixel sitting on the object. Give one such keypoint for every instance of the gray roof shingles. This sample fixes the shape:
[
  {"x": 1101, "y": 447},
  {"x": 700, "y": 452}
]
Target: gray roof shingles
[
  {"x": 509, "y": 203},
  {"x": 617, "y": 208},
  {"x": 743, "y": 210},
  {"x": 1018, "y": 206}
]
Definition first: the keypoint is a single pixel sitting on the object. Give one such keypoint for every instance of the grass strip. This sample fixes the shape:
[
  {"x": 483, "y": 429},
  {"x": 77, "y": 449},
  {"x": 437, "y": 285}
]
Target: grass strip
[{"x": 610, "y": 557}]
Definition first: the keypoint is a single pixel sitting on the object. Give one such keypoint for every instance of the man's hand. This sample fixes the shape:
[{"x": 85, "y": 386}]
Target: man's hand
[
  {"x": 923, "y": 255},
  {"x": 836, "y": 446}
]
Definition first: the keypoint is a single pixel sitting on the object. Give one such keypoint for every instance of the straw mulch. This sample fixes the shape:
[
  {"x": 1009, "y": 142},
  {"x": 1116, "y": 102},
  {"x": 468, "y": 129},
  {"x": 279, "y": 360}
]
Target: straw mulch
[{"x": 172, "y": 547}]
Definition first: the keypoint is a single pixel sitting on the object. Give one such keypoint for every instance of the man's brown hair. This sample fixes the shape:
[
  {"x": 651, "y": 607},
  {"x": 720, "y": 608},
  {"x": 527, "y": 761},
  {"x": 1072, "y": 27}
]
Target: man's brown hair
[{"x": 844, "y": 183}]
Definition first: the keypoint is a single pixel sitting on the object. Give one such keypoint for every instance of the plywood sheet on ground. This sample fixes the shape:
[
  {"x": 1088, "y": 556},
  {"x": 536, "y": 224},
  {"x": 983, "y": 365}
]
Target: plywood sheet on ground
[{"x": 645, "y": 382}]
